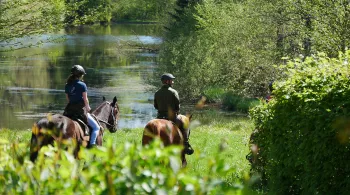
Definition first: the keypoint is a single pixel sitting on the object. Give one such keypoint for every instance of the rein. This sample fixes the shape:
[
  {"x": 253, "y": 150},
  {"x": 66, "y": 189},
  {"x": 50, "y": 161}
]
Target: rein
[{"x": 105, "y": 122}]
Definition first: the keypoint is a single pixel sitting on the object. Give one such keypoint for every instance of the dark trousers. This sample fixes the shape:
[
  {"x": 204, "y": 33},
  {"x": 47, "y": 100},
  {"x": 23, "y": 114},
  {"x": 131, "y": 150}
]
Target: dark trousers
[{"x": 76, "y": 111}]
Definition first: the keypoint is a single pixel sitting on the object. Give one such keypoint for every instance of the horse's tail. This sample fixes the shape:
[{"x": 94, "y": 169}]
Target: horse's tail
[
  {"x": 34, "y": 143},
  {"x": 39, "y": 138}
]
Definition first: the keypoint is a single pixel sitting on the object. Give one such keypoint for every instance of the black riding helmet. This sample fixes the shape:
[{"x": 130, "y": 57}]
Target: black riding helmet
[
  {"x": 167, "y": 76},
  {"x": 78, "y": 70}
]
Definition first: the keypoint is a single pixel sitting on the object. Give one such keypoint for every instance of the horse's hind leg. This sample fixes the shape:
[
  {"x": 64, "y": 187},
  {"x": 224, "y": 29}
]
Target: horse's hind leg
[
  {"x": 34, "y": 148},
  {"x": 147, "y": 136},
  {"x": 36, "y": 142}
]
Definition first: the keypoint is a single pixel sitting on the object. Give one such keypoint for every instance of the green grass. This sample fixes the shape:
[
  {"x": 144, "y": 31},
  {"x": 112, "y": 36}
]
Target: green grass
[
  {"x": 20, "y": 136},
  {"x": 219, "y": 131},
  {"x": 213, "y": 133}
]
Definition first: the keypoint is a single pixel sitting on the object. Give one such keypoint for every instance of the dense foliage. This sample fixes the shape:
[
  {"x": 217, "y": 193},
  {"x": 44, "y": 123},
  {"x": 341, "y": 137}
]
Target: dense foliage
[
  {"x": 141, "y": 10},
  {"x": 301, "y": 144},
  {"x": 234, "y": 45},
  {"x": 20, "y": 19},
  {"x": 105, "y": 11},
  {"x": 87, "y": 12},
  {"x": 127, "y": 169}
]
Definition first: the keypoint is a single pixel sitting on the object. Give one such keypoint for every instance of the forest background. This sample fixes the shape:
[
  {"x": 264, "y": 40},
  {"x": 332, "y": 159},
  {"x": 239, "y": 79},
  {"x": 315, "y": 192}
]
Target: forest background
[{"x": 213, "y": 47}]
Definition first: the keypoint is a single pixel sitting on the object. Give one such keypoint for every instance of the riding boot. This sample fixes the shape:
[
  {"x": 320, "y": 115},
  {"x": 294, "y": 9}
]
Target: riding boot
[
  {"x": 90, "y": 146},
  {"x": 188, "y": 148}
]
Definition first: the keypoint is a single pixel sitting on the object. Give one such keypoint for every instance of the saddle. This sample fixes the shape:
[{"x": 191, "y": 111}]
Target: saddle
[
  {"x": 85, "y": 127},
  {"x": 175, "y": 121},
  {"x": 77, "y": 112}
]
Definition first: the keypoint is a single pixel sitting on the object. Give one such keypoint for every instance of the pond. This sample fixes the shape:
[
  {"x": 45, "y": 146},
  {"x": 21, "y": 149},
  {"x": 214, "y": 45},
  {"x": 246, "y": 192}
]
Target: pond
[{"x": 32, "y": 79}]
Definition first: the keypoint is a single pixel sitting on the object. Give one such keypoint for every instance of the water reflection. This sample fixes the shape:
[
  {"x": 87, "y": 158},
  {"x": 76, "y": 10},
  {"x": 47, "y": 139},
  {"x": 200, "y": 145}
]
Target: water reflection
[{"x": 32, "y": 79}]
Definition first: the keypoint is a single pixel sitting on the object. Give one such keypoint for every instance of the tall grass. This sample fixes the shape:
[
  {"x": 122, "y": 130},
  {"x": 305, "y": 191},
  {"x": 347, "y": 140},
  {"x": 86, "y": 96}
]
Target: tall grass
[
  {"x": 230, "y": 100},
  {"x": 234, "y": 102},
  {"x": 213, "y": 134}
]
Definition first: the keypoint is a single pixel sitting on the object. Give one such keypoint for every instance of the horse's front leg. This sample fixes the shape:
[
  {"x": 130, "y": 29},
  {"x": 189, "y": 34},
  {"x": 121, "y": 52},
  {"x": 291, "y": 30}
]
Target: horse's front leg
[
  {"x": 99, "y": 139},
  {"x": 77, "y": 149},
  {"x": 183, "y": 159}
]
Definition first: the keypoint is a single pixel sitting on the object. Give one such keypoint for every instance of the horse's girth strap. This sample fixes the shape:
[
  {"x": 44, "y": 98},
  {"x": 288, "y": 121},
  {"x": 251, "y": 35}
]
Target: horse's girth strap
[{"x": 80, "y": 130}]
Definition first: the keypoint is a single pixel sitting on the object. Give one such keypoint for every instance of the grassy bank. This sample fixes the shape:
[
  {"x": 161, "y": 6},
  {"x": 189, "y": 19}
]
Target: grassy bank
[{"x": 213, "y": 134}]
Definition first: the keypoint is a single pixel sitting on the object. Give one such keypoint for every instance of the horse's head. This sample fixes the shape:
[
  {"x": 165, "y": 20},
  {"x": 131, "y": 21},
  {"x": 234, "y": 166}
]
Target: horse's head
[{"x": 108, "y": 114}]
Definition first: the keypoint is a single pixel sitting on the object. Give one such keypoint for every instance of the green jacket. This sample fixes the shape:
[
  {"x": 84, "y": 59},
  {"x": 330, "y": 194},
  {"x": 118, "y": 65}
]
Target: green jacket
[{"x": 167, "y": 102}]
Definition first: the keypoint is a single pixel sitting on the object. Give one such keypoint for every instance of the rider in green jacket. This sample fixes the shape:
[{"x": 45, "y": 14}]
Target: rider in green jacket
[{"x": 167, "y": 102}]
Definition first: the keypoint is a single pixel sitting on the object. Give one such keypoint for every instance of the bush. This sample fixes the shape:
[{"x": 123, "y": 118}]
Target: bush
[
  {"x": 234, "y": 102},
  {"x": 302, "y": 135},
  {"x": 127, "y": 169},
  {"x": 214, "y": 94}
]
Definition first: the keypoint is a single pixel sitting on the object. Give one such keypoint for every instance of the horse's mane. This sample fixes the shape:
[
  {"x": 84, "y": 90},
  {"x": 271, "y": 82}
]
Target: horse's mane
[{"x": 99, "y": 108}]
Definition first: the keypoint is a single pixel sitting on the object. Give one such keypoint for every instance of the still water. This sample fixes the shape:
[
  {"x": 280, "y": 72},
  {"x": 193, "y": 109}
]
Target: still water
[{"x": 32, "y": 80}]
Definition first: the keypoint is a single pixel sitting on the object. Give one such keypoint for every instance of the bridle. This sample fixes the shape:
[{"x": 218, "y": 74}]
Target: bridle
[{"x": 106, "y": 122}]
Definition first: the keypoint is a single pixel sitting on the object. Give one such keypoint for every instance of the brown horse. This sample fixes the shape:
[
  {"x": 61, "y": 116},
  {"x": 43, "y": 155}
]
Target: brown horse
[
  {"x": 57, "y": 127},
  {"x": 168, "y": 132}
]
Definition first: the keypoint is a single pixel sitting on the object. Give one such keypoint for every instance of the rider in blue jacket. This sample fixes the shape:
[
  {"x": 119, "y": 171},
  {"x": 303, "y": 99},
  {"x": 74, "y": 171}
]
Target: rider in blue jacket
[{"x": 78, "y": 102}]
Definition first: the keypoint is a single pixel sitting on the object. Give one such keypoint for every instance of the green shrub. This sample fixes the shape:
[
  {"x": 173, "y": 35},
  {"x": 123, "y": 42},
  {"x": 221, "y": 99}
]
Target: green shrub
[
  {"x": 214, "y": 94},
  {"x": 234, "y": 102},
  {"x": 302, "y": 134},
  {"x": 126, "y": 169}
]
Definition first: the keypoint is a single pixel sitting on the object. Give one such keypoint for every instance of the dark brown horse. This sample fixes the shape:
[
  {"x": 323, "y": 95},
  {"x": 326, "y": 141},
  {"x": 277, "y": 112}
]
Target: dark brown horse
[
  {"x": 168, "y": 132},
  {"x": 57, "y": 127}
]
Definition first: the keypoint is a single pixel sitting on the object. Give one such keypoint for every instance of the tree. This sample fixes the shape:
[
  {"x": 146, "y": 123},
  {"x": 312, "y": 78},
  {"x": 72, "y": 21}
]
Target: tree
[
  {"x": 234, "y": 45},
  {"x": 220, "y": 44},
  {"x": 307, "y": 27},
  {"x": 19, "y": 19},
  {"x": 88, "y": 11},
  {"x": 141, "y": 10}
]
